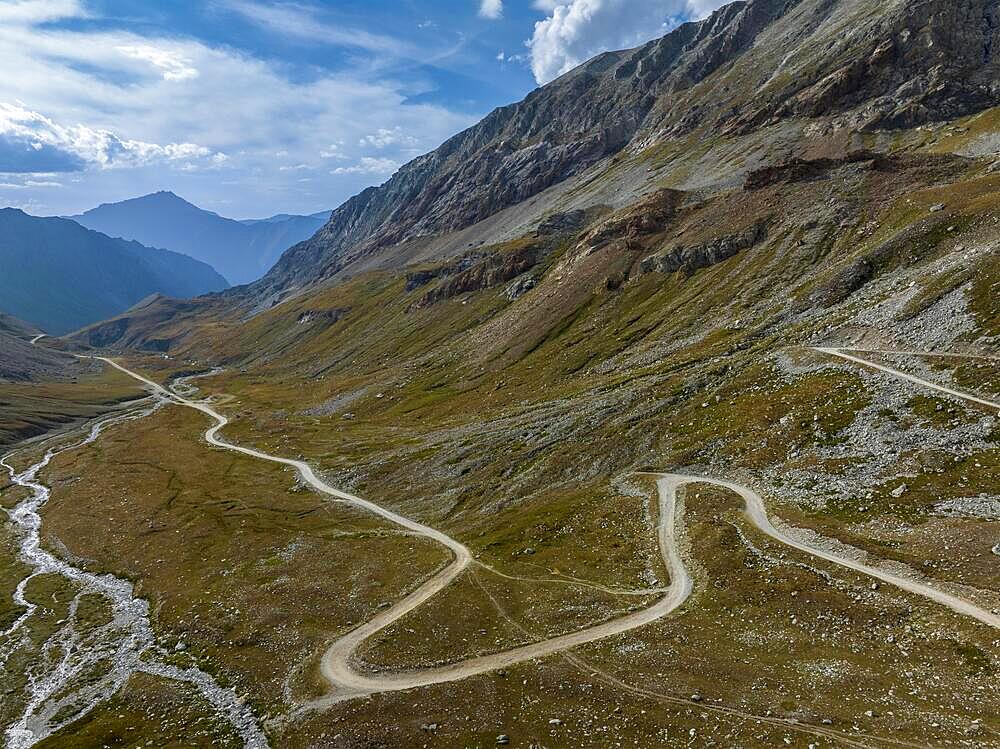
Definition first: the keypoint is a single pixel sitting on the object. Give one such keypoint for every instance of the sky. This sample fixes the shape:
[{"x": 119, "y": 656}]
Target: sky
[{"x": 256, "y": 107}]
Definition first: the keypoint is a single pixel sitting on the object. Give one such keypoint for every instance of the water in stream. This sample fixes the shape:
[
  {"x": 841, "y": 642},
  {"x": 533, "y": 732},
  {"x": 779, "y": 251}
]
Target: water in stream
[{"x": 78, "y": 665}]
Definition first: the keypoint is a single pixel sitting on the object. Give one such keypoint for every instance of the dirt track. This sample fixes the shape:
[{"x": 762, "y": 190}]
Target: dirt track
[{"x": 347, "y": 681}]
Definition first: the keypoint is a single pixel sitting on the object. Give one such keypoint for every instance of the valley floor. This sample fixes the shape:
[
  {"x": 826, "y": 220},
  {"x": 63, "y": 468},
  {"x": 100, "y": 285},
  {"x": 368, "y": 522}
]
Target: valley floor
[{"x": 744, "y": 633}]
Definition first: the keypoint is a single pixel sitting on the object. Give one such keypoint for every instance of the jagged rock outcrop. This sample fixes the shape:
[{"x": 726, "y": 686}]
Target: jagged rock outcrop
[
  {"x": 324, "y": 317},
  {"x": 562, "y": 223},
  {"x": 925, "y": 61},
  {"x": 691, "y": 258},
  {"x": 798, "y": 170},
  {"x": 423, "y": 276},
  {"x": 649, "y": 216},
  {"x": 492, "y": 270}
]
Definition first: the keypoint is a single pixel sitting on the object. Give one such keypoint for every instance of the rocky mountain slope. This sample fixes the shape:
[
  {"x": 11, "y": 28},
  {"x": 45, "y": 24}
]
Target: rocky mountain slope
[
  {"x": 61, "y": 276},
  {"x": 242, "y": 251},
  {"x": 752, "y": 68},
  {"x": 761, "y": 92},
  {"x": 10, "y": 325},
  {"x": 23, "y": 362},
  {"x": 43, "y": 388}
]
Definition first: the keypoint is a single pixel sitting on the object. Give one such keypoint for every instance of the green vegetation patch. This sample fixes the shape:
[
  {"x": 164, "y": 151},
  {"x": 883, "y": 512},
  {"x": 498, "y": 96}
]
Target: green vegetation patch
[
  {"x": 759, "y": 418},
  {"x": 250, "y": 574},
  {"x": 27, "y": 410},
  {"x": 148, "y": 711}
]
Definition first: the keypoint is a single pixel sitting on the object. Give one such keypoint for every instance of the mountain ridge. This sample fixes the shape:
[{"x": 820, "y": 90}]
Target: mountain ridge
[
  {"x": 241, "y": 251},
  {"x": 735, "y": 72},
  {"x": 63, "y": 276},
  {"x": 279, "y": 217}
]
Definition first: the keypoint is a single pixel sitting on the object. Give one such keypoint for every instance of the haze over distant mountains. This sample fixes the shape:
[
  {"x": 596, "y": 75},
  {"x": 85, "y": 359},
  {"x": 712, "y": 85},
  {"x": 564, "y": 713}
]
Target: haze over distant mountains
[
  {"x": 242, "y": 251},
  {"x": 61, "y": 276}
]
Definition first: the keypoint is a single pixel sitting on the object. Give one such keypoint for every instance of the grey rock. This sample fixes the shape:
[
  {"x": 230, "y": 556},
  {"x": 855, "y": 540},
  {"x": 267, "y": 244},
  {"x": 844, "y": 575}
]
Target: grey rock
[
  {"x": 562, "y": 223},
  {"x": 520, "y": 287},
  {"x": 705, "y": 255}
]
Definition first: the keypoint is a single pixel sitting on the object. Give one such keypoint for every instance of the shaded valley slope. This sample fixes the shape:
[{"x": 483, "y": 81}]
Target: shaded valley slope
[{"x": 61, "y": 276}]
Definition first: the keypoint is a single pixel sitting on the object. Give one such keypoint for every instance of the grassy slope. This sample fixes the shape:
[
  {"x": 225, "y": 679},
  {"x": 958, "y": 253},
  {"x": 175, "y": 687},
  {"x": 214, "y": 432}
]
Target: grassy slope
[
  {"x": 515, "y": 426},
  {"x": 32, "y": 409},
  {"x": 511, "y": 443}
]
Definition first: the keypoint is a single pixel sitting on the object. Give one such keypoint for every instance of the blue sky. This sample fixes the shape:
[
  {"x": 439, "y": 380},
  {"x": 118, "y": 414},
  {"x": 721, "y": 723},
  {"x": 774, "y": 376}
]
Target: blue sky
[{"x": 256, "y": 107}]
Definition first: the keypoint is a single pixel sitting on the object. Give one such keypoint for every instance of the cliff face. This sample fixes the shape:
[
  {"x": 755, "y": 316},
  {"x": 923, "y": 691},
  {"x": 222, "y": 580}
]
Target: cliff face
[
  {"x": 876, "y": 65},
  {"x": 865, "y": 64}
]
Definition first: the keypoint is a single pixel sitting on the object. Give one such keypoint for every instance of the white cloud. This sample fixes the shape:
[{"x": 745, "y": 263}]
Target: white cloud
[
  {"x": 491, "y": 9},
  {"x": 704, "y": 8},
  {"x": 577, "y": 30},
  {"x": 35, "y": 180},
  {"x": 39, "y": 11},
  {"x": 98, "y": 100},
  {"x": 305, "y": 22},
  {"x": 385, "y": 137},
  {"x": 369, "y": 165},
  {"x": 333, "y": 151},
  {"x": 175, "y": 67},
  {"x": 86, "y": 145}
]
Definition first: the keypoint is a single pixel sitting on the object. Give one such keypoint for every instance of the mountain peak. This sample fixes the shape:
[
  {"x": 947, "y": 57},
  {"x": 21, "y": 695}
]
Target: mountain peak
[
  {"x": 60, "y": 275},
  {"x": 163, "y": 197},
  {"x": 165, "y": 194},
  {"x": 240, "y": 251}
]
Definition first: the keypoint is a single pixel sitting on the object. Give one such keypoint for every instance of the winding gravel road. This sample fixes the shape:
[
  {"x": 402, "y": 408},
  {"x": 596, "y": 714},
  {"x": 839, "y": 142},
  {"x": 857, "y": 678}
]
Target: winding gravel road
[
  {"x": 347, "y": 681},
  {"x": 842, "y": 353}
]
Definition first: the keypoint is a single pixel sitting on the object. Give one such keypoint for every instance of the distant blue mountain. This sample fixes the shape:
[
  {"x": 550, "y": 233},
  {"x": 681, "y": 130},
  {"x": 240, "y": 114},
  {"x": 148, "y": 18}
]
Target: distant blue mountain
[
  {"x": 323, "y": 216},
  {"x": 242, "y": 251},
  {"x": 61, "y": 276}
]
